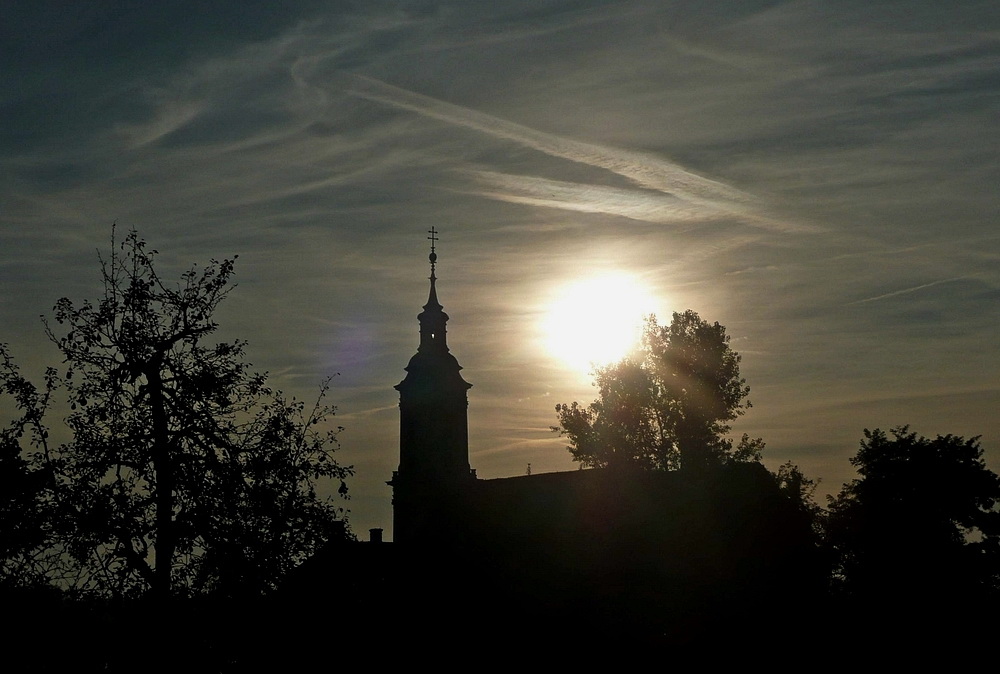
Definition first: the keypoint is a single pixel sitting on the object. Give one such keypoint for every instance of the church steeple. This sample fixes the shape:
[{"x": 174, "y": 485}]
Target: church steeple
[
  {"x": 433, "y": 428},
  {"x": 433, "y": 319}
]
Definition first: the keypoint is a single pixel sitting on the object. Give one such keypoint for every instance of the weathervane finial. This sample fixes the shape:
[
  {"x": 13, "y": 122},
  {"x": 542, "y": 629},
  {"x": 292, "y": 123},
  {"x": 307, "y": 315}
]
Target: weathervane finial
[{"x": 433, "y": 256}]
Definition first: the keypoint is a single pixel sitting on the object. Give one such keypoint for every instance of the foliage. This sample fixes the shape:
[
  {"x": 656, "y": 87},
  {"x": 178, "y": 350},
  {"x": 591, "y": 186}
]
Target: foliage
[
  {"x": 921, "y": 520},
  {"x": 801, "y": 491},
  {"x": 24, "y": 490},
  {"x": 185, "y": 473},
  {"x": 666, "y": 407}
]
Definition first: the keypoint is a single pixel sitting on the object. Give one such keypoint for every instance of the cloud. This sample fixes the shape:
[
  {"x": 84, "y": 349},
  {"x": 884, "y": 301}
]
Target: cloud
[
  {"x": 169, "y": 117},
  {"x": 589, "y": 198},
  {"x": 648, "y": 171}
]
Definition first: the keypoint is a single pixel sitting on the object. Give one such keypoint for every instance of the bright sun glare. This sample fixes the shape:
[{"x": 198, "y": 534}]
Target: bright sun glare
[{"x": 597, "y": 321}]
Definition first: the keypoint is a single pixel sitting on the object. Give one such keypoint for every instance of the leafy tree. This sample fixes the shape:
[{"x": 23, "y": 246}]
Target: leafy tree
[
  {"x": 801, "y": 491},
  {"x": 185, "y": 472},
  {"x": 24, "y": 490},
  {"x": 921, "y": 523},
  {"x": 666, "y": 407}
]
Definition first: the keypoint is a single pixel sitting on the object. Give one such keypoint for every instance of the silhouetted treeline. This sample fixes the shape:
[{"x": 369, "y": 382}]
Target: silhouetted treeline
[{"x": 623, "y": 559}]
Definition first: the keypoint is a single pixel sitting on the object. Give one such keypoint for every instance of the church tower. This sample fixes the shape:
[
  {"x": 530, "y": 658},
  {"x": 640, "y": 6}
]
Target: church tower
[{"x": 434, "y": 476}]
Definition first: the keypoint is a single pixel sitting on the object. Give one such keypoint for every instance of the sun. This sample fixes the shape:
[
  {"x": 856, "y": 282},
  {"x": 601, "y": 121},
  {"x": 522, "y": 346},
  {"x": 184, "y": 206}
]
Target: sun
[{"x": 597, "y": 321}]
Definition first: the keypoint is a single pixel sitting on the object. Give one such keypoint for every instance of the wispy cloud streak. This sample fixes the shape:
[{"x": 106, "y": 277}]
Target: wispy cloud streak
[
  {"x": 587, "y": 198},
  {"x": 172, "y": 116},
  {"x": 906, "y": 291},
  {"x": 646, "y": 170}
]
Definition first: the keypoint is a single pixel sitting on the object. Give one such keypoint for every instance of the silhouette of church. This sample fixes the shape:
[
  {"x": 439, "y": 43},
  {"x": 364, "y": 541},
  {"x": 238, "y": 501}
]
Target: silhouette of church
[
  {"x": 682, "y": 552},
  {"x": 644, "y": 557}
]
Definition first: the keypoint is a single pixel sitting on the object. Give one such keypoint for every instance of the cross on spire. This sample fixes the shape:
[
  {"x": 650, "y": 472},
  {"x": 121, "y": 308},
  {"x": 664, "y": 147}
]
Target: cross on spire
[{"x": 433, "y": 256}]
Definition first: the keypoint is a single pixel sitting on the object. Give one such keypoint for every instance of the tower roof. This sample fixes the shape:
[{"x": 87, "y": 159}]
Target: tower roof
[
  {"x": 433, "y": 366},
  {"x": 433, "y": 319}
]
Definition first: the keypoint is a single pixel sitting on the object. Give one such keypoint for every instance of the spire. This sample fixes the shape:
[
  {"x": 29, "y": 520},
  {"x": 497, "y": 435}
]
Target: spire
[
  {"x": 432, "y": 300},
  {"x": 432, "y": 319}
]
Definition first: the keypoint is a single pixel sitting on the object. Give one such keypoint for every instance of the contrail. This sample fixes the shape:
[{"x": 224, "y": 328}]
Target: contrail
[
  {"x": 586, "y": 198},
  {"x": 906, "y": 291},
  {"x": 646, "y": 170}
]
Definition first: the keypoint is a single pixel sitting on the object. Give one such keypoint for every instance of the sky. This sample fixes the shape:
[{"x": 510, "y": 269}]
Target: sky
[{"x": 818, "y": 177}]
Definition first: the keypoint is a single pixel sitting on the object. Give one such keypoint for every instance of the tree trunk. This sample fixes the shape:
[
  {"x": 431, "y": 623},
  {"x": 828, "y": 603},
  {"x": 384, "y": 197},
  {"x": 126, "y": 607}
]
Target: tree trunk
[{"x": 164, "y": 497}]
